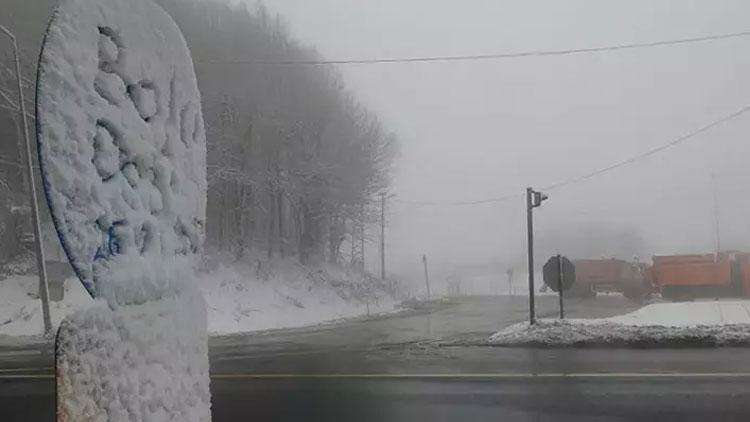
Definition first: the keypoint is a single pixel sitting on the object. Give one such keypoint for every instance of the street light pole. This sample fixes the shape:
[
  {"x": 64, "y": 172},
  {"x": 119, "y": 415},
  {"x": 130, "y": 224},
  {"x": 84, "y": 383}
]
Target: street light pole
[
  {"x": 533, "y": 200},
  {"x": 530, "y": 251},
  {"x": 41, "y": 267}
]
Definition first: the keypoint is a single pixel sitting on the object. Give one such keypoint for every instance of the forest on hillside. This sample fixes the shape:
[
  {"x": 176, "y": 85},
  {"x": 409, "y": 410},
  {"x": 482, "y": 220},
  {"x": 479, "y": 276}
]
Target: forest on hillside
[{"x": 294, "y": 160}]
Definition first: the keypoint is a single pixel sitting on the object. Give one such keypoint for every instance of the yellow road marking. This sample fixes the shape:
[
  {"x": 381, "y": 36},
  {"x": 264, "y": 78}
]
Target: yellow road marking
[{"x": 489, "y": 376}]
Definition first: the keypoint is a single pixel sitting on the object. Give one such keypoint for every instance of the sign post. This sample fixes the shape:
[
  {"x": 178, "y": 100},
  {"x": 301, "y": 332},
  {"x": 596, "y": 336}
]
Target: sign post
[{"x": 559, "y": 275}]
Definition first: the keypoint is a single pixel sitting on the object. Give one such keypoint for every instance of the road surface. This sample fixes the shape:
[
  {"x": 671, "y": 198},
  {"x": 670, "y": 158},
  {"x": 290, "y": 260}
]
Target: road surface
[{"x": 399, "y": 368}]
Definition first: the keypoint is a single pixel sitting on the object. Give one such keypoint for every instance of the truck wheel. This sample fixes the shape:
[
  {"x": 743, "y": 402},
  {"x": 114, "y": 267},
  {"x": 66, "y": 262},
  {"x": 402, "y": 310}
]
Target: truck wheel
[{"x": 632, "y": 294}]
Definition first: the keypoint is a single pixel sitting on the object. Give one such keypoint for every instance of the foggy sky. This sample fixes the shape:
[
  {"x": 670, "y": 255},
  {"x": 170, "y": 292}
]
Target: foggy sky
[{"x": 473, "y": 130}]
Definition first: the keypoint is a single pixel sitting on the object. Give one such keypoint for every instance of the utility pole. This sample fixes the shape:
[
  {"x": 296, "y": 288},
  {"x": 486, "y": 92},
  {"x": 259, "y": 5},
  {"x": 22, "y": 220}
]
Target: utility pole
[
  {"x": 533, "y": 200},
  {"x": 41, "y": 267},
  {"x": 382, "y": 235},
  {"x": 426, "y": 275},
  {"x": 716, "y": 214},
  {"x": 530, "y": 253}
]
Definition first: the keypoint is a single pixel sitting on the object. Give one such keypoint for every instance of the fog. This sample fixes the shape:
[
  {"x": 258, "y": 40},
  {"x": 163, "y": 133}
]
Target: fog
[{"x": 482, "y": 129}]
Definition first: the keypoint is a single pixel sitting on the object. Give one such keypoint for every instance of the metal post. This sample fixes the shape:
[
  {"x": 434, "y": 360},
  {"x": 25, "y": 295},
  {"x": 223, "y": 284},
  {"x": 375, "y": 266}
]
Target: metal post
[
  {"x": 426, "y": 276},
  {"x": 382, "y": 235},
  {"x": 530, "y": 252},
  {"x": 560, "y": 285},
  {"x": 41, "y": 267}
]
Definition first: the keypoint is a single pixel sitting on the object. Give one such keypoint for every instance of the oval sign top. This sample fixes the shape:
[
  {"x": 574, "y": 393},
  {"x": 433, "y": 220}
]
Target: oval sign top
[{"x": 121, "y": 141}]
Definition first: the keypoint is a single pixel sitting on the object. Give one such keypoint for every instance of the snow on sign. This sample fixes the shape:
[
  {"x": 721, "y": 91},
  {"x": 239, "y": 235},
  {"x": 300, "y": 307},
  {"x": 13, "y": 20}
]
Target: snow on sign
[
  {"x": 122, "y": 151},
  {"x": 121, "y": 141}
]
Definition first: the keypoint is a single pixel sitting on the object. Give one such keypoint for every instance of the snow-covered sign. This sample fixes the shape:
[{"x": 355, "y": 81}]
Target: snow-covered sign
[
  {"x": 121, "y": 143},
  {"x": 122, "y": 150}
]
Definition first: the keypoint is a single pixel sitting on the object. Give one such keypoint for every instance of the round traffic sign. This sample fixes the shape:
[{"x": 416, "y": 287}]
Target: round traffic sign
[{"x": 551, "y": 272}]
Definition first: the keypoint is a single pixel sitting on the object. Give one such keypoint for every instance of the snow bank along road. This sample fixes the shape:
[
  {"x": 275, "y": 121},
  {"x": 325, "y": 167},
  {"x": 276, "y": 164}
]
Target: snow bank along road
[
  {"x": 701, "y": 323},
  {"x": 389, "y": 369}
]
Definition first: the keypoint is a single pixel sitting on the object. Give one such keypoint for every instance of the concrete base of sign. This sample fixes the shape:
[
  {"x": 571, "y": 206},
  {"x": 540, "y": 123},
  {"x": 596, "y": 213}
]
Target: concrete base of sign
[{"x": 143, "y": 362}]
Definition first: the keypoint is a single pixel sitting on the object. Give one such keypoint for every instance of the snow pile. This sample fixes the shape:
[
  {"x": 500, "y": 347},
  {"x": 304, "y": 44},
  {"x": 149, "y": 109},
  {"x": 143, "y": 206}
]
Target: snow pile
[
  {"x": 121, "y": 139},
  {"x": 687, "y": 314},
  {"x": 281, "y": 294},
  {"x": 144, "y": 362},
  {"x": 673, "y": 324}
]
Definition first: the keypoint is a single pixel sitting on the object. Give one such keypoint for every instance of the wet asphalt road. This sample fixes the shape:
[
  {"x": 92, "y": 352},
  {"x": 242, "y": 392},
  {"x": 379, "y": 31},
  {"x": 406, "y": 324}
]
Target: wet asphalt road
[{"x": 399, "y": 368}]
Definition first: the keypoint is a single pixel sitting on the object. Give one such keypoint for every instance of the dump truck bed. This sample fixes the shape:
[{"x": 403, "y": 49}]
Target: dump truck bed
[
  {"x": 702, "y": 275},
  {"x": 691, "y": 270}
]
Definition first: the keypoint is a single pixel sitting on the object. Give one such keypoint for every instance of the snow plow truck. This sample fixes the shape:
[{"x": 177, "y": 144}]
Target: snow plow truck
[{"x": 685, "y": 277}]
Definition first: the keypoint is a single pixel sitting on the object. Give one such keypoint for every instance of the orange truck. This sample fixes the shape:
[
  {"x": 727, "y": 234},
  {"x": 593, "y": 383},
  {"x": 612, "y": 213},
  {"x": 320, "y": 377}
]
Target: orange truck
[
  {"x": 680, "y": 277},
  {"x": 610, "y": 275}
]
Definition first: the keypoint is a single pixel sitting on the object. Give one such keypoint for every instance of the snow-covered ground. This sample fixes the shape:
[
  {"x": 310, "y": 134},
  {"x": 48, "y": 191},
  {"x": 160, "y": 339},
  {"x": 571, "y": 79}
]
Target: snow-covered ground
[
  {"x": 21, "y": 311},
  {"x": 688, "y": 323},
  {"x": 281, "y": 294},
  {"x": 240, "y": 298}
]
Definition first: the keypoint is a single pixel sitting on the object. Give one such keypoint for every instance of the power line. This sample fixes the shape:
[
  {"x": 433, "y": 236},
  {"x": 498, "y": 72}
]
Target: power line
[
  {"x": 602, "y": 170},
  {"x": 478, "y": 202},
  {"x": 652, "y": 151},
  {"x": 492, "y": 56}
]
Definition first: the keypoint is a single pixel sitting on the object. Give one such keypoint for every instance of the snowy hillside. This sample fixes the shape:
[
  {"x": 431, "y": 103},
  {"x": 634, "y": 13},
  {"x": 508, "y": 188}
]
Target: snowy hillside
[
  {"x": 281, "y": 294},
  {"x": 272, "y": 294}
]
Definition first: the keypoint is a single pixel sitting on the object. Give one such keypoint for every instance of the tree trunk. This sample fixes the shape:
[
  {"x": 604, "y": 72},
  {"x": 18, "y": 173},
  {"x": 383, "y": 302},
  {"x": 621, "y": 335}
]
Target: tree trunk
[{"x": 335, "y": 238}]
